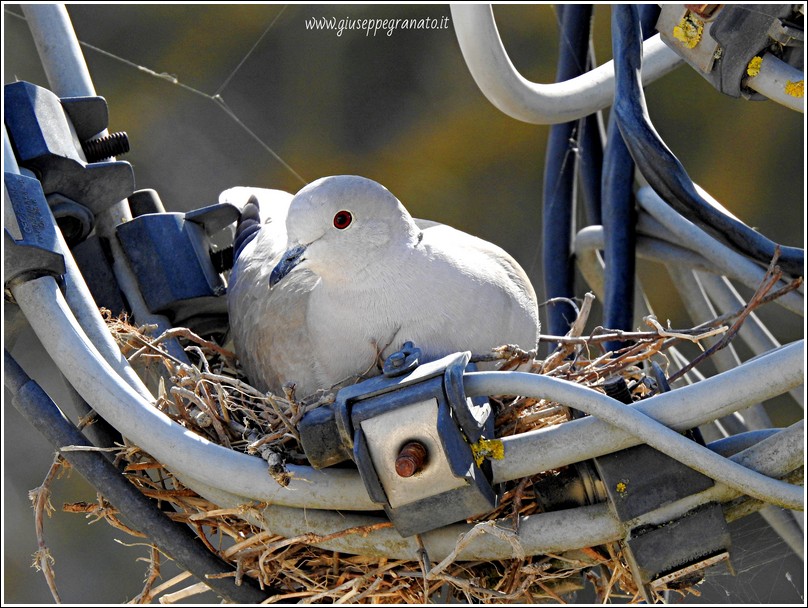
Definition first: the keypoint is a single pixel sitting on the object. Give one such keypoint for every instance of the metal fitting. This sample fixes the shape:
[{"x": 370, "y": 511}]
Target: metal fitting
[
  {"x": 635, "y": 482},
  {"x": 31, "y": 246},
  {"x": 720, "y": 40},
  {"x": 46, "y": 133},
  {"x": 411, "y": 459},
  {"x": 74, "y": 220},
  {"x": 639, "y": 480},
  {"x": 402, "y": 362},
  {"x": 170, "y": 254},
  {"x": 410, "y": 435}
]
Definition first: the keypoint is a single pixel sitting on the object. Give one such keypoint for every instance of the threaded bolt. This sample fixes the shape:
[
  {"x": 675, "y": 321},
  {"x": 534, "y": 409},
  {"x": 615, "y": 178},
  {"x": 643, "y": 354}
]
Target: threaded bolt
[
  {"x": 411, "y": 459},
  {"x": 616, "y": 388},
  {"x": 111, "y": 145}
]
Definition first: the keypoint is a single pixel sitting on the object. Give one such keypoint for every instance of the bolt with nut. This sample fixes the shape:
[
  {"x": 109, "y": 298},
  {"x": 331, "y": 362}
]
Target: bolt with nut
[{"x": 411, "y": 459}]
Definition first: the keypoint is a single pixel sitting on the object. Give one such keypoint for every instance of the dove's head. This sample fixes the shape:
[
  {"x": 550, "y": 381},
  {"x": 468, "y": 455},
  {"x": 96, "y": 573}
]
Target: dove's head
[{"x": 338, "y": 226}]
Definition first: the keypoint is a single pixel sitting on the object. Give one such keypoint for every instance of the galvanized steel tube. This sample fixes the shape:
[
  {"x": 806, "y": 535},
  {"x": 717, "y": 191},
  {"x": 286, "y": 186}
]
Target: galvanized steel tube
[{"x": 530, "y": 102}]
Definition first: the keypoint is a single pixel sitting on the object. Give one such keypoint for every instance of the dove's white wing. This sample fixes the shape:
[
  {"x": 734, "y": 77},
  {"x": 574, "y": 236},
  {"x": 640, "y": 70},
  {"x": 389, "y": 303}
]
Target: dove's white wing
[{"x": 267, "y": 326}]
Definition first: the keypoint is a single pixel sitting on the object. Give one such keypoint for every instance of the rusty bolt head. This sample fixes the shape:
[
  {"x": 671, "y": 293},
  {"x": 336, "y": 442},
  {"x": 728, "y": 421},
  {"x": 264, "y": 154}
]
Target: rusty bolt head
[{"x": 411, "y": 459}]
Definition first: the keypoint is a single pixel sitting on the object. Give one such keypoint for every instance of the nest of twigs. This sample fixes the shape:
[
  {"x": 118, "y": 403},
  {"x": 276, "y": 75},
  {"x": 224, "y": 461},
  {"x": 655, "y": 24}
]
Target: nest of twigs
[{"x": 214, "y": 400}]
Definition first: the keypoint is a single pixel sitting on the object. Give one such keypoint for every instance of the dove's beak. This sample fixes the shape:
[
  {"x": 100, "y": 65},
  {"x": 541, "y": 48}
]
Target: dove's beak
[{"x": 290, "y": 259}]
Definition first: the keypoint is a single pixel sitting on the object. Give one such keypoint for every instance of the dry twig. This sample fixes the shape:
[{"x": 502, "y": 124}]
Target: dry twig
[
  {"x": 40, "y": 498},
  {"x": 771, "y": 278}
]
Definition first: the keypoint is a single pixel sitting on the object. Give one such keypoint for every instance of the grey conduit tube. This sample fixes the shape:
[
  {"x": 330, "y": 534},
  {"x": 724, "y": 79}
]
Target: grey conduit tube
[
  {"x": 590, "y": 239},
  {"x": 530, "y": 102},
  {"x": 775, "y": 80},
  {"x": 754, "y": 381},
  {"x": 653, "y": 244},
  {"x": 660, "y": 166},
  {"x": 723, "y": 260},
  {"x": 645, "y": 428},
  {"x": 728, "y": 446},
  {"x": 538, "y": 534},
  {"x": 81, "y": 301},
  {"x": 775, "y": 456},
  {"x": 786, "y": 524},
  {"x": 756, "y": 335},
  {"x": 176, "y": 447},
  {"x": 59, "y": 50},
  {"x": 182, "y": 451},
  {"x": 555, "y": 532},
  {"x": 700, "y": 309}
]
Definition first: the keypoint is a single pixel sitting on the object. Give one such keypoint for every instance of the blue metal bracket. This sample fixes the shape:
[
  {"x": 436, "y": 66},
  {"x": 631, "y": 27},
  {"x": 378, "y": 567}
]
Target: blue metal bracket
[{"x": 410, "y": 435}]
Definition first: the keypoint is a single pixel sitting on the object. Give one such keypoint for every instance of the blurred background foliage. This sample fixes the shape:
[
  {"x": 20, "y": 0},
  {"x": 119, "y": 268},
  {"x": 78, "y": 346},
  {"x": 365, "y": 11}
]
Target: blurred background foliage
[{"x": 400, "y": 109}]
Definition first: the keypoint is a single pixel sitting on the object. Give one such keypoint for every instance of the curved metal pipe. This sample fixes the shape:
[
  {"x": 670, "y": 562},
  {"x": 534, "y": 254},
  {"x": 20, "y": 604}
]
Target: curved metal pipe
[
  {"x": 59, "y": 50},
  {"x": 681, "y": 409},
  {"x": 183, "y": 451},
  {"x": 79, "y": 298},
  {"x": 173, "y": 538},
  {"x": 727, "y": 446},
  {"x": 700, "y": 309},
  {"x": 641, "y": 426},
  {"x": 774, "y": 456},
  {"x": 68, "y": 76},
  {"x": 695, "y": 252},
  {"x": 180, "y": 449},
  {"x": 756, "y": 335},
  {"x": 722, "y": 259},
  {"x": 538, "y": 534},
  {"x": 530, "y": 102}
]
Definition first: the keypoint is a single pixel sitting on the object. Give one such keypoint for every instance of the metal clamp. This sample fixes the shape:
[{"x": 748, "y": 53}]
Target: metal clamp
[
  {"x": 170, "y": 254},
  {"x": 637, "y": 481},
  {"x": 31, "y": 246},
  {"x": 720, "y": 40},
  {"x": 410, "y": 435},
  {"x": 641, "y": 479},
  {"x": 54, "y": 139},
  {"x": 48, "y": 135}
]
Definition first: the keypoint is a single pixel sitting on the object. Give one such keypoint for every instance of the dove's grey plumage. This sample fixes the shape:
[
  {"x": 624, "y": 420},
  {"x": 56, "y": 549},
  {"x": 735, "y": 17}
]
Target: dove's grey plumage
[{"x": 319, "y": 296}]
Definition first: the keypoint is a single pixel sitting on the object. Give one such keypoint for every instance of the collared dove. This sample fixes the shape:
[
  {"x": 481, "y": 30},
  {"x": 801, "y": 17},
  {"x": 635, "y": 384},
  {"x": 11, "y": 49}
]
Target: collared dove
[{"x": 340, "y": 276}]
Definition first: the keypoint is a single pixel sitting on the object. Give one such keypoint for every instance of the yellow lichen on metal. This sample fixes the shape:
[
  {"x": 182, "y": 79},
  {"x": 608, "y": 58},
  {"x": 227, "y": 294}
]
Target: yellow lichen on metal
[
  {"x": 689, "y": 30},
  {"x": 795, "y": 89},
  {"x": 621, "y": 487},
  {"x": 487, "y": 448},
  {"x": 753, "y": 67}
]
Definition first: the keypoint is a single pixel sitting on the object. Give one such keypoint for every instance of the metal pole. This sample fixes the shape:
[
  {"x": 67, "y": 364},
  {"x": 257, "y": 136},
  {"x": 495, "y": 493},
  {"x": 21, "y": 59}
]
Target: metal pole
[
  {"x": 68, "y": 76},
  {"x": 59, "y": 50}
]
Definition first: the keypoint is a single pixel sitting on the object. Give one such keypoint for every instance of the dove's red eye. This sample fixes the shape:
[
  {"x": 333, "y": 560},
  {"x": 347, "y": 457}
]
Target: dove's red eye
[{"x": 342, "y": 219}]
